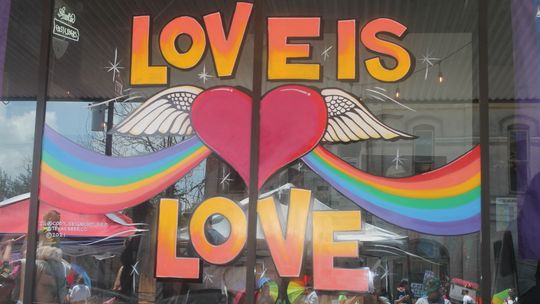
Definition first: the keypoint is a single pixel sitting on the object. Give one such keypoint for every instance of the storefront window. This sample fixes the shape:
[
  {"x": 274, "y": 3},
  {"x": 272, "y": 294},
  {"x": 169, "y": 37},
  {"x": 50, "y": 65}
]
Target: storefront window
[
  {"x": 270, "y": 151},
  {"x": 158, "y": 172}
]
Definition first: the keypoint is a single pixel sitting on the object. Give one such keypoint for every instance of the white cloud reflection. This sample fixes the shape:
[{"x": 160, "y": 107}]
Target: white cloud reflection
[{"x": 17, "y": 135}]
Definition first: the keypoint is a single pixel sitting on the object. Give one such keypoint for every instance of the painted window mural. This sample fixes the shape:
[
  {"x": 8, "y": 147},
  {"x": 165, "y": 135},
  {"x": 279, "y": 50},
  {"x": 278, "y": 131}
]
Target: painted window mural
[
  {"x": 186, "y": 72},
  {"x": 383, "y": 75},
  {"x": 265, "y": 152}
]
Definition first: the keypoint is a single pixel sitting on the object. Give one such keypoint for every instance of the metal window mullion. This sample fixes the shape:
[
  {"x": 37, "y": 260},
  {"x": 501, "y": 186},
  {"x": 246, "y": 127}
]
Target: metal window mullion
[
  {"x": 483, "y": 94},
  {"x": 258, "y": 21},
  {"x": 108, "y": 135},
  {"x": 41, "y": 102}
]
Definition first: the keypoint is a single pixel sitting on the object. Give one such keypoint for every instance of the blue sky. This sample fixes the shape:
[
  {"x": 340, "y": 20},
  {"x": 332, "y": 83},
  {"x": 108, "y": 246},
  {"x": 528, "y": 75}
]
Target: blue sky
[{"x": 17, "y": 129}]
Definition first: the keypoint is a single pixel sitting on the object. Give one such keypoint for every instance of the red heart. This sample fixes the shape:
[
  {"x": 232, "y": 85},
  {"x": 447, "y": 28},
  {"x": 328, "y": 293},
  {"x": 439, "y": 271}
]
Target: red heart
[{"x": 293, "y": 121}]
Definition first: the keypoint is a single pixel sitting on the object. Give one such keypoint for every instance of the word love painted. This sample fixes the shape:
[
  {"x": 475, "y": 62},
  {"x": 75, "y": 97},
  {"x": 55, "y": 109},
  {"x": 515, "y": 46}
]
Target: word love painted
[
  {"x": 286, "y": 247},
  {"x": 225, "y": 47}
]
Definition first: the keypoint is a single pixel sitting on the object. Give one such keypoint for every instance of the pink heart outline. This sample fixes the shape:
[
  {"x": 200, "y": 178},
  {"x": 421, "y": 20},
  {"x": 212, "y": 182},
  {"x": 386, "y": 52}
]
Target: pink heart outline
[{"x": 221, "y": 117}]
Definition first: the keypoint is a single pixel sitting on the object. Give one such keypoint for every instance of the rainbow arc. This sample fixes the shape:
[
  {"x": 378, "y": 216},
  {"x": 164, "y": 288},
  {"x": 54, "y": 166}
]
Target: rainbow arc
[{"x": 445, "y": 201}]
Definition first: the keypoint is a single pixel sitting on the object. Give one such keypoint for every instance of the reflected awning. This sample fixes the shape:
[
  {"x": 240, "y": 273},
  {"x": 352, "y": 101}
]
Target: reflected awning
[{"x": 14, "y": 219}]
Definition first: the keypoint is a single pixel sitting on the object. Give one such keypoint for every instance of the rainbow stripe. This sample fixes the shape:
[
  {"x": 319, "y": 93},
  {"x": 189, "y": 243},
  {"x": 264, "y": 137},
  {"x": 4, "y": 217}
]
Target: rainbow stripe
[
  {"x": 75, "y": 179},
  {"x": 445, "y": 201}
]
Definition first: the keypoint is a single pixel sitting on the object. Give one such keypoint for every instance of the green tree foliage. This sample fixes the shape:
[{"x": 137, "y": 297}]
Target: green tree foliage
[{"x": 11, "y": 186}]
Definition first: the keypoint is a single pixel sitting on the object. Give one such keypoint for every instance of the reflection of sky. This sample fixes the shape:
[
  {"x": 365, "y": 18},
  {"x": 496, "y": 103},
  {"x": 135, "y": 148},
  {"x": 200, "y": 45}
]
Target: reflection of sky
[
  {"x": 74, "y": 121},
  {"x": 71, "y": 119},
  {"x": 17, "y": 129},
  {"x": 16, "y": 135}
]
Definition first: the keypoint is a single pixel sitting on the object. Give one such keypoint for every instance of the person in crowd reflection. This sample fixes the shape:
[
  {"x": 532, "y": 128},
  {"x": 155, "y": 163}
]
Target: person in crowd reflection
[
  {"x": 512, "y": 298},
  {"x": 50, "y": 284},
  {"x": 445, "y": 293},
  {"x": 467, "y": 299},
  {"x": 532, "y": 295},
  {"x": 80, "y": 293},
  {"x": 263, "y": 297},
  {"x": 404, "y": 294},
  {"x": 50, "y": 235},
  {"x": 311, "y": 295},
  {"x": 382, "y": 296},
  {"x": 124, "y": 283},
  {"x": 8, "y": 273},
  {"x": 434, "y": 293},
  {"x": 344, "y": 299}
]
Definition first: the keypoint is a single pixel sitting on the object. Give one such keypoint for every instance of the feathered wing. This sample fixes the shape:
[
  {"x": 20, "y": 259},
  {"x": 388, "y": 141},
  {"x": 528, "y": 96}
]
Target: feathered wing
[
  {"x": 349, "y": 120},
  {"x": 166, "y": 113}
]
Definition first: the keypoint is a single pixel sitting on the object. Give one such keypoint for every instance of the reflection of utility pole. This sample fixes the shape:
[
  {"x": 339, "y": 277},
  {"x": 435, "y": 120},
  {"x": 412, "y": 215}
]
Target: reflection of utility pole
[
  {"x": 108, "y": 136},
  {"x": 409, "y": 272}
]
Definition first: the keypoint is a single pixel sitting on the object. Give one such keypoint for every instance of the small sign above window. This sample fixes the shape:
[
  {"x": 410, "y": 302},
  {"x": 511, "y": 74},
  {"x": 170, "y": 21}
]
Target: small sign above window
[{"x": 63, "y": 25}]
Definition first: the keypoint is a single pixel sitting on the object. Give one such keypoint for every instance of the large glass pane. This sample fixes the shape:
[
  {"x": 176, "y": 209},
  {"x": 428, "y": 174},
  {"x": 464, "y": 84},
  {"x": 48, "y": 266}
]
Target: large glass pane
[
  {"x": 20, "y": 32},
  {"x": 16, "y": 144},
  {"x": 514, "y": 116},
  {"x": 354, "y": 222},
  {"x": 124, "y": 197}
]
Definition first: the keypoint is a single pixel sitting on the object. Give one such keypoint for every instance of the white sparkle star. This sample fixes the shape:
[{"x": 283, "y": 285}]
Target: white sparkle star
[
  {"x": 428, "y": 61},
  {"x": 263, "y": 270},
  {"x": 379, "y": 269},
  {"x": 225, "y": 180},
  {"x": 134, "y": 270},
  {"x": 134, "y": 274},
  {"x": 224, "y": 291},
  {"x": 114, "y": 66},
  {"x": 326, "y": 53},
  {"x": 204, "y": 76},
  {"x": 398, "y": 160},
  {"x": 207, "y": 278}
]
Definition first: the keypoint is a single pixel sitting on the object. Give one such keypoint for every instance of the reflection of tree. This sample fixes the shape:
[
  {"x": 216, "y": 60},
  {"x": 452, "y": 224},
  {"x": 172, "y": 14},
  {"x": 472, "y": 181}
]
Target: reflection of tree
[
  {"x": 11, "y": 186},
  {"x": 189, "y": 191}
]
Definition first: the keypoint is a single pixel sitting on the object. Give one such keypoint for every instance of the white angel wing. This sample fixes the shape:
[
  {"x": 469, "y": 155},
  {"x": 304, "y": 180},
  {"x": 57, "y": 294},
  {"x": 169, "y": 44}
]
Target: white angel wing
[
  {"x": 349, "y": 120},
  {"x": 166, "y": 113}
]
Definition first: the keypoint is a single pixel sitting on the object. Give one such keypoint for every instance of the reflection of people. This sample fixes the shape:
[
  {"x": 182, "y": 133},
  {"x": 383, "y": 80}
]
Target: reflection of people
[
  {"x": 343, "y": 299},
  {"x": 8, "y": 273},
  {"x": 80, "y": 293},
  {"x": 50, "y": 234},
  {"x": 382, "y": 296},
  {"x": 127, "y": 275},
  {"x": 533, "y": 294},
  {"x": 511, "y": 299},
  {"x": 264, "y": 292},
  {"x": 50, "y": 276},
  {"x": 404, "y": 294},
  {"x": 467, "y": 299},
  {"x": 434, "y": 294},
  {"x": 311, "y": 296}
]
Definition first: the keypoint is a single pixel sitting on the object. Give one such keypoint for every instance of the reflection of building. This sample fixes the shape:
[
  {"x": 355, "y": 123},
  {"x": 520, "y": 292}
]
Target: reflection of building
[{"x": 445, "y": 131}]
